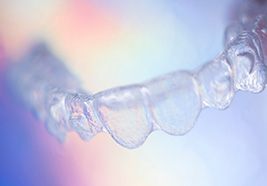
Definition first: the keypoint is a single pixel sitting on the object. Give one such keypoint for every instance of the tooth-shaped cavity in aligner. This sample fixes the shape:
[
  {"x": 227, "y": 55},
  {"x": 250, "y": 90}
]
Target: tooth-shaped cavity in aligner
[
  {"x": 216, "y": 83},
  {"x": 175, "y": 102},
  {"x": 124, "y": 113},
  {"x": 57, "y": 119},
  {"x": 246, "y": 59},
  {"x": 82, "y": 118}
]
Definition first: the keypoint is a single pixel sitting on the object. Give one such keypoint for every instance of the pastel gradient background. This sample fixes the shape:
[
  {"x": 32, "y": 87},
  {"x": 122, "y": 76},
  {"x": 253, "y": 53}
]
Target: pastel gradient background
[{"x": 116, "y": 42}]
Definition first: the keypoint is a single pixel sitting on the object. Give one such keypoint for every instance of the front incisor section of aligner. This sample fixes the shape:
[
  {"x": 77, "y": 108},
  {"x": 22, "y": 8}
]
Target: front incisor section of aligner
[
  {"x": 82, "y": 118},
  {"x": 216, "y": 83},
  {"x": 245, "y": 56},
  {"x": 124, "y": 113},
  {"x": 175, "y": 102}
]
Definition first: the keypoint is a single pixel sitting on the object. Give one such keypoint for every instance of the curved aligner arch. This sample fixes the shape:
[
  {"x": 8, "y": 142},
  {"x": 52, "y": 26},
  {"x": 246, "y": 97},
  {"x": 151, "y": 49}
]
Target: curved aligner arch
[{"x": 170, "y": 103}]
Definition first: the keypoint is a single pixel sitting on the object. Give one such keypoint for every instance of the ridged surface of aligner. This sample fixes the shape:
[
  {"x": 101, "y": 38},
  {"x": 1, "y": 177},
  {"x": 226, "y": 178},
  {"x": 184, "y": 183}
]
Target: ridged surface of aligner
[
  {"x": 175, "y": 102},
  {"x": 231, "y": 32},
  {"x": 246, "y": 59},
  {"x": 216, "y": 83},
  {"x": 124, "y": 113},
  {"x": 82, "y": 118}
]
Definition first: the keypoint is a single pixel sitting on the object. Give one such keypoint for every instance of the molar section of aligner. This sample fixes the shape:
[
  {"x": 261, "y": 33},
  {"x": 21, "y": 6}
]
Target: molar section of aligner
[
  {"x": 175, "y": 102},
  {"x": 57, "y": 114},
  {"x": 38, "y": 98},
  {"x": 35, "y": 73},
  {"x": 124, "y": 112},
  {"x": 216, "y": 83},
  {"x": 82, "y": 117},
  {"x": 245, "y": 56}
]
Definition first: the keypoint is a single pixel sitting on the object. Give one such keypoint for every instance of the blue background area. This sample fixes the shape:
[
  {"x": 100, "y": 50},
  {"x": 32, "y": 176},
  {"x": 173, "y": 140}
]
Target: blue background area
[{"x": 24, "y": 158}]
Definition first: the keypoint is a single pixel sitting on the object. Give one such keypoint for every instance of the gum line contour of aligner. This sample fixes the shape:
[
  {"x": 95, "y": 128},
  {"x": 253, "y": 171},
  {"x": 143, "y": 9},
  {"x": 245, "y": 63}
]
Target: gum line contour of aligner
[{"x": 170, "y": 103}]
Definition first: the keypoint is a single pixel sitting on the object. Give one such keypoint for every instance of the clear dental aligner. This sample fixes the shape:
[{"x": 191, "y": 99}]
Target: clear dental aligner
[{"x": 170, "y": 103}]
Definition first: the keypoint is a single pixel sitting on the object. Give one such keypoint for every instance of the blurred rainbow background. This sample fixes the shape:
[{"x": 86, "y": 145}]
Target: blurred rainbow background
[{"x": 115, "y": 42}]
